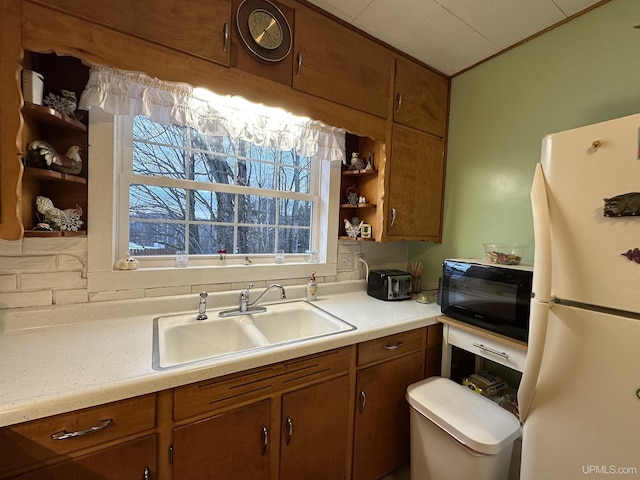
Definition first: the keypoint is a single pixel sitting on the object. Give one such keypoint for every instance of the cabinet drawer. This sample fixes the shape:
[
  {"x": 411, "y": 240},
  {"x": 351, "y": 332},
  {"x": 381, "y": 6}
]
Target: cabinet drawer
[
  {"x": 391, "y": 346},
  {"x": 32, "y": 442},
  {"x": 218, "y": 393},
  {"x": 509, "y": 354}
]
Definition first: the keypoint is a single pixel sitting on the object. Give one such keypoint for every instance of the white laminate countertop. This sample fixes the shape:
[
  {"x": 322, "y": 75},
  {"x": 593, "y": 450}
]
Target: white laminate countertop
[{"x": 59, "y": 359}]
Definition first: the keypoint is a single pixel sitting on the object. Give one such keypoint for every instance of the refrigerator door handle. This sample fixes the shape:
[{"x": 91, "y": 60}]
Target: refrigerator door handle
[
  {"x": 542, "y": 238},
  {"x": 542, "y": 289}
]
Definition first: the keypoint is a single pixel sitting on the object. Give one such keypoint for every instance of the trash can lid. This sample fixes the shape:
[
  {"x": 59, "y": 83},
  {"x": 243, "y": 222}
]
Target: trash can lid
[{"x": 473, "y": 420}]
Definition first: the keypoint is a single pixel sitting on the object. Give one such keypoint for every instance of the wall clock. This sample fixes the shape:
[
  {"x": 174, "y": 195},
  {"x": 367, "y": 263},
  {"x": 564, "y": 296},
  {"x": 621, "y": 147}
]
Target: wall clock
[{"x": 264, "y": 30}]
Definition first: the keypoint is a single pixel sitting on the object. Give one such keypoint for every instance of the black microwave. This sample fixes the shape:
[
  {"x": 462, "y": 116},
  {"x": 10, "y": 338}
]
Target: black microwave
[{"x": 494, "y": 297}]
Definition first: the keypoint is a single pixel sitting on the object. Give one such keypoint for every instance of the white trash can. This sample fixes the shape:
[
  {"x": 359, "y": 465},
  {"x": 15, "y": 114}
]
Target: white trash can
[{"x": 458, "y": 434}]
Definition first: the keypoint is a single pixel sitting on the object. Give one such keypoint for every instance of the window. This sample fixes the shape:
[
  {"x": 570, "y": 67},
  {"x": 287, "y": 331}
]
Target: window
[
  {"x": 202, "y": 172},
  {"x": 203, "y": 194}
]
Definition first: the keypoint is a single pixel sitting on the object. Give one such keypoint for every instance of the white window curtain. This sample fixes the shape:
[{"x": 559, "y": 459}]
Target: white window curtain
[{"x": 121, "y": 92}]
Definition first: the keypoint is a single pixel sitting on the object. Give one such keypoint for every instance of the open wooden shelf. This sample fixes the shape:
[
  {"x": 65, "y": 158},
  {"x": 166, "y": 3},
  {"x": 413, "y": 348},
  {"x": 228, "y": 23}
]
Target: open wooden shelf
[
  {"x": 56, "y": 233},
  {"x": 49, "y": 116},
  {"x": 44, "y": 174}
]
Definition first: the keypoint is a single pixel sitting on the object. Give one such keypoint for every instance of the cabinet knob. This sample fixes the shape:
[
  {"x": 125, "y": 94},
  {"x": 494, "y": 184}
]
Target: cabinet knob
[
  {"x": 299, "y": 63},
  {"x": 225, "y": 36},
  {"x": 289, "y": 425},
  {"x": 363, "y": 400},
  {"x": 398, "y": 102},
  {"x": 265, "y": 439}
]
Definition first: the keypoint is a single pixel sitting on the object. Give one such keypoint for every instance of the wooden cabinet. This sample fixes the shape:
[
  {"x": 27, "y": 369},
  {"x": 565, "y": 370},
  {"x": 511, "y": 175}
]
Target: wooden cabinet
[
  {"x": 386, "y": 367},
  {"x": 339, "y": 64},
  {"x": 415, "y": 174},
  {"x": 433, "y": 357},
  {"x": 10, "y": 102},
  {"x": 74, "y": 441},
  {"x": 135, "y": 460},
  {"x": 296, "y": 421},
  {"x": 421, "y": 98},
  {"x": 44, "y": 124},
  {"x": 197, "y": 27},
  {"x": 362, "y": 183},
  {"x": 235, "y": 445},
  {"x": 315, "y": 432}
]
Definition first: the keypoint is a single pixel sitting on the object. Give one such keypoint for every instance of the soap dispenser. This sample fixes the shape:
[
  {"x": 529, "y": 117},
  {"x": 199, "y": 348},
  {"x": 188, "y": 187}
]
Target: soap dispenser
[{"x": 312, "y": 288}]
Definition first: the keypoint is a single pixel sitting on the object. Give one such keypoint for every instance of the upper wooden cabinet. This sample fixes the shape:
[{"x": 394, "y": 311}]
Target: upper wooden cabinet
[
  {"x": 198, "y": 27},
  {"x": 339, "y": 64},
  {"x": 11, "y": 227},
  {"x": 421, "y": 98},
  {"x": 415, "y": 182}
]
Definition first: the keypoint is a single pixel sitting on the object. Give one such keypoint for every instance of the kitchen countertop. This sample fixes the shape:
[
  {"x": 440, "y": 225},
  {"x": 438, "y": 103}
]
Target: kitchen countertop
[{"x": 56, "y": 360}]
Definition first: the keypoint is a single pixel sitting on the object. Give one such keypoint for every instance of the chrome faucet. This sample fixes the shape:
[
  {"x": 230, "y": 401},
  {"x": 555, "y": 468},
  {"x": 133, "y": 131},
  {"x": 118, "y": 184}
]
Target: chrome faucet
[
  {"x": 202, "y": 307},
  {"x": 245, "y": 306}
]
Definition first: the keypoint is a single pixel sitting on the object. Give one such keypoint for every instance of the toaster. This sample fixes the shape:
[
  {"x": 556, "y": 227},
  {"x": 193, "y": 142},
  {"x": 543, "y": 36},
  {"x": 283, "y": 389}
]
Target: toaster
[{"x": 389, "y": 284}]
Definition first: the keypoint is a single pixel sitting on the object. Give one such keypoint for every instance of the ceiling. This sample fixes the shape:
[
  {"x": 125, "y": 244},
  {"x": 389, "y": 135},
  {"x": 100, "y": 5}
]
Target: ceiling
[{"x": 452, "y": 35}]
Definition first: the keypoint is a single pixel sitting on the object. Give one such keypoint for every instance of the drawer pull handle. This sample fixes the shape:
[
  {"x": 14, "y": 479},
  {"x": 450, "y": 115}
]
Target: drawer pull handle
[
  {"x": 363, "y": 401},
  {"x": 265, "y": 439},
  {"x": 289, "y": 430},
  {"x": 64, "y": 435},
  {"x": 491, "y": 350},
  {"x": 391, "y": 348},
  {"x": 146, "y": 474}
]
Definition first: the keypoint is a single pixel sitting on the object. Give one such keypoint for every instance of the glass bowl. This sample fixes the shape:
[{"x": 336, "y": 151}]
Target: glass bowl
[{"x": 504, "y": 253}]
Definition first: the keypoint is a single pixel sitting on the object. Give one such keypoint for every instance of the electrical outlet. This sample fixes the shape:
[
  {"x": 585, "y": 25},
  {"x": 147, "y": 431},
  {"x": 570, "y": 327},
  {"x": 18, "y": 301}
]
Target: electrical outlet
[{"x": 345, "y": 261}]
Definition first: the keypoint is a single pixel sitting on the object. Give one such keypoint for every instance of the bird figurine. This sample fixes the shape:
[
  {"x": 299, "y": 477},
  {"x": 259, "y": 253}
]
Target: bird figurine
[
  {"x": 41, "y": 154},
  {"x": 67, "y": 219},
  {"x": 352, "y": 230}
]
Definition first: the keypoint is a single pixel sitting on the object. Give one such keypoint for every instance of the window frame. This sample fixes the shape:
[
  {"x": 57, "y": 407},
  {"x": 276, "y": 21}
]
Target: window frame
[
  {"x": 127, "y": 177},
  {"x": 108, "y": 139}
]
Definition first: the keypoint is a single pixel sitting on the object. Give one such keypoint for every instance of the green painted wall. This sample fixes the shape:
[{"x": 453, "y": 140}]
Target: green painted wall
[{"x": 583, "y": 72}]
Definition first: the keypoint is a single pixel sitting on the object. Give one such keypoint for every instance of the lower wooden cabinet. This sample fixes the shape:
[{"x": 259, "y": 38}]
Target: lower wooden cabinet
[
  {"x": 314, "y": 436},
  {"x": 297, "y": 419},
  {"x": 381, "y": 438},
  {"x": 132, "y": 460},
  {"x": 231, "y": 446}
]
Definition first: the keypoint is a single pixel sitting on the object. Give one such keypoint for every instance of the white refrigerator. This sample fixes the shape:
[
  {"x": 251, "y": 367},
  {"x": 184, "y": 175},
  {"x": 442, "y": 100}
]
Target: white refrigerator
[{"x": 579, "y": 396}]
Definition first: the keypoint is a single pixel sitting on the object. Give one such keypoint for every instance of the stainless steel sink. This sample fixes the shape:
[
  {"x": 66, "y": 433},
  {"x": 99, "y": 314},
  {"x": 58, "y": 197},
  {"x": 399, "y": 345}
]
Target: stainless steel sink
[{"x": 181, "y": 339}]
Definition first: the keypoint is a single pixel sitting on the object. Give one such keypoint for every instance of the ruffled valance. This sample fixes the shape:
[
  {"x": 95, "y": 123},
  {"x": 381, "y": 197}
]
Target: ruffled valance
[{"x": 120, "y": 92}]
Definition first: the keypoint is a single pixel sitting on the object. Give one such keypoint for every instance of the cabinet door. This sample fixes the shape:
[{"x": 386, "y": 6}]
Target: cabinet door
[
  {"x": 135, "y": 460},
  {"x": 230, "y": 446},
  {"x": 421, "y": 98},
  {"x": 314, "y": 432},
  {"x": 381, "y": 441},
  {"x": 416, "y": 185},
  {"x": 10, "y": 103},
  {"x": 198, "y": 27},
  {"x": 339, "y": 64}
]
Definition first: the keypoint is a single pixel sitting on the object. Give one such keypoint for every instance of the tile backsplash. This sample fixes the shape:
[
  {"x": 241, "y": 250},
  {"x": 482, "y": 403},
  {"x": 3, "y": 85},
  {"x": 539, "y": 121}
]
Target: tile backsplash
[{"x": 36, "y": 272}]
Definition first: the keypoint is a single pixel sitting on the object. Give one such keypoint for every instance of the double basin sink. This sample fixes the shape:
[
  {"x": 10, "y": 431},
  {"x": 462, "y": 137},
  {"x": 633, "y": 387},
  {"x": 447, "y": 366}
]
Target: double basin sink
[{"x": 181, "y": 339}]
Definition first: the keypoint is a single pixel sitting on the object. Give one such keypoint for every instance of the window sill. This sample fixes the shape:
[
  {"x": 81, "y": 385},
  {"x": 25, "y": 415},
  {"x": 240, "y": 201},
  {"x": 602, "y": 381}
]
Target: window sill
[{"x": 196, "y": 277}]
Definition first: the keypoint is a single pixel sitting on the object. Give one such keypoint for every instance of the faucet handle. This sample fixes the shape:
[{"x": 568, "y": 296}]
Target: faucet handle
[{"x": 203, "y": 294}]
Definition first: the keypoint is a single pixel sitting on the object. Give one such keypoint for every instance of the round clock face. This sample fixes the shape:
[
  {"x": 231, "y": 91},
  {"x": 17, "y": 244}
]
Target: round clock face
[{"x": 265, "y": 29}]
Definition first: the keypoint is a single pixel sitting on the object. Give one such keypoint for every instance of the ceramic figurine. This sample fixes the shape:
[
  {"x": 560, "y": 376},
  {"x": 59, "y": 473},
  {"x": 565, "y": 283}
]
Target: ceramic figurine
[{"x": 127, "y": 263}]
